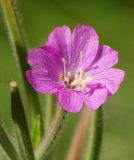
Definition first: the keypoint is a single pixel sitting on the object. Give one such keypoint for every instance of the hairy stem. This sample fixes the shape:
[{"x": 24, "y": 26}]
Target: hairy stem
[
  {"x": 48, "y": 139},
  {"x": 48, "y": 111}
]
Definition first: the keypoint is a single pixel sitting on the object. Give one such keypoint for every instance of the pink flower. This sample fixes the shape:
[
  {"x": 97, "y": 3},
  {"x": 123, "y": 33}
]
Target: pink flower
[{"x": 75, "y": 68}]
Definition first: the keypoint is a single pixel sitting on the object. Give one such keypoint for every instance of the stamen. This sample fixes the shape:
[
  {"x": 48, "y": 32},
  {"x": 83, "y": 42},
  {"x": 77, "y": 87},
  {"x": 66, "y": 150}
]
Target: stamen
[
  {"x": 64, "y": 65},
  {"x": 82, "y": 74},
  {"x": 81, "y": 80},
  {"x": 69, "y": 74},
  {"x": 81, "y": 55},
  {"x": 88, "y": 79},
  {"x": 84, "y": 87},
  {"x": 66, "y": 79},
  {"x": 78, "y": 78}
]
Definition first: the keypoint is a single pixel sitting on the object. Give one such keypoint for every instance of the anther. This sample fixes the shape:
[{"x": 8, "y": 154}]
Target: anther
[{"x": 66, "y": 79}]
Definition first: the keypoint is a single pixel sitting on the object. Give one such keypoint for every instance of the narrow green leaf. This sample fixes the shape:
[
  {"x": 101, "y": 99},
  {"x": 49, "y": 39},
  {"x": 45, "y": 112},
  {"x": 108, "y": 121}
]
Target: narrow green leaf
[
  {"x": 15, "y": 35},
  {"x": 7, "y": 145},
  {"x": 20, "y": 50},
  {"x": 36, "y": 135},
  {"x": 20, "y": 124},
  {"x": 3, "y": 154},
  {"x": 94, "y": 141}
]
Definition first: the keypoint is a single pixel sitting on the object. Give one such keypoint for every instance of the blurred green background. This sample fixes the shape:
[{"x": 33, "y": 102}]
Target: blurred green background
[{"x": 114, "y": 23}]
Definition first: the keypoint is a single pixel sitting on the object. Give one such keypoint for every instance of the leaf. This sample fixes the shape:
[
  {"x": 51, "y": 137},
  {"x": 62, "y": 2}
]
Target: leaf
[
  {"x": 20, "y": 124},
  {"x": 7, "y": 145},
  {"x": 36, "y": 134}
]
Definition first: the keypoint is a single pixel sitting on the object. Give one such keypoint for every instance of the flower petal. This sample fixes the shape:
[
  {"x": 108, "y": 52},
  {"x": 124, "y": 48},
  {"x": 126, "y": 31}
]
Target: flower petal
[
  {"x": 60, "y": 38},
  {"x": 106, "y": 58},
  {"x": 70, "y": 100},
  {"x": 84, "y": 45},
  {"x": 42, "y": 82},
  {"x": 96, "y": 99},
  {"x": 46, "y": 59},
  {"x": 110, "y": 78},
  {"x": 84, "y": 40}
]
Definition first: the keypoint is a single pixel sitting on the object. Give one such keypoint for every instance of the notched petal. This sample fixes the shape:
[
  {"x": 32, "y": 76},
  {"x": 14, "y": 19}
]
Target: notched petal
[
  {"x": 106, "y": 58},
  {"x": 85, "y": 41}
]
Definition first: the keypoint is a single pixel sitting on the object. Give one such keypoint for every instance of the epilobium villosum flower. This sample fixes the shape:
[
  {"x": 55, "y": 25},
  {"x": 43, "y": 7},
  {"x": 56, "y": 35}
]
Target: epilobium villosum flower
[{"x": 75, "y": 68}]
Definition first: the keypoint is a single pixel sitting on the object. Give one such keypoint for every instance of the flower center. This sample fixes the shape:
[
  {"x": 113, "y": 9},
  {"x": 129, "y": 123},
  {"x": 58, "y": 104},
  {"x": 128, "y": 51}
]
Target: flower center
[{"x": 74, "y": 81}]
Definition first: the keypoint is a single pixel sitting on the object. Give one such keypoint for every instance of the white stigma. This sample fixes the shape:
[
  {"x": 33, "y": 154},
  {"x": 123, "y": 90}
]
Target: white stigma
[{"x": 81, "y": 79}]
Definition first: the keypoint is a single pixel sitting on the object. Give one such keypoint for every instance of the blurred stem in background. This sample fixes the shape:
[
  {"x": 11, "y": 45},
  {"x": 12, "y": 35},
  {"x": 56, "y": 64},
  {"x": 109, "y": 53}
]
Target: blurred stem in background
[
  {"x": 47, "y": 142},
  {"x": 19, "y": 47},
  {"x": 80, "y": 135},
  {"x": 87, "y": 146}
]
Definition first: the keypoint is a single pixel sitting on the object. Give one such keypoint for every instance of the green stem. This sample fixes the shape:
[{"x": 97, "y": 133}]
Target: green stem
[
  {"x": 20, "y": 49},
  {"x": 7, "y": 145},
  {"x": 48, "y": 139},
  {"x": 96, "y": 130},
  {"x": 48, "y": 112},
  {"x": 15, "y": 34}
]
